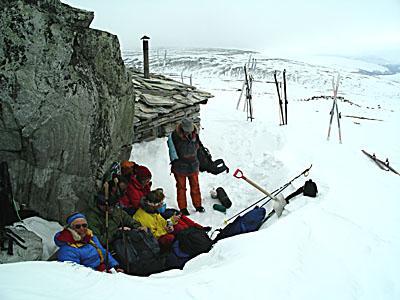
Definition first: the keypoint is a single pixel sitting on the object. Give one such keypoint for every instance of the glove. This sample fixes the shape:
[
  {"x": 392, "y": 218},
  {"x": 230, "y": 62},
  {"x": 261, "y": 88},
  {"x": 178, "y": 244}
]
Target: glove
[{"x": 207, "y": 228}]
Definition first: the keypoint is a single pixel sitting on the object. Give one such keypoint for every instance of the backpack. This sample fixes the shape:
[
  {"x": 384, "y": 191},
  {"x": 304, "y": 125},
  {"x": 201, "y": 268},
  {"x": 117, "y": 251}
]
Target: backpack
[
  {"x": 249, "y": 222},
  {"x": 310, "y": 188},
  {"x": 194, "y": 241},
  {"x": 207, "y": 164},
  {"x": 177, "y": 258},
  {"x": 143, "y": 253}
]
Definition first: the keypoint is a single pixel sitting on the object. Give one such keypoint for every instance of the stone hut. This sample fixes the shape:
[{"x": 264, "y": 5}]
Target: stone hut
[{"x": 161, "y": 103}]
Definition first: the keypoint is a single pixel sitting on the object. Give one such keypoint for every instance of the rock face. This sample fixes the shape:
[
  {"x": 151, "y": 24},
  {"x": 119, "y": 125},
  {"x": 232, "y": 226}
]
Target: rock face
[{"x": 66, "y": 104}]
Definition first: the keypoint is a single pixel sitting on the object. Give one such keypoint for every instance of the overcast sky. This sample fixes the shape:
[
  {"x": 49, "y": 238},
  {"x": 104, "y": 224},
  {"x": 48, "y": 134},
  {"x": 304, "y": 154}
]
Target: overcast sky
[{"x": 284, "y": 26}]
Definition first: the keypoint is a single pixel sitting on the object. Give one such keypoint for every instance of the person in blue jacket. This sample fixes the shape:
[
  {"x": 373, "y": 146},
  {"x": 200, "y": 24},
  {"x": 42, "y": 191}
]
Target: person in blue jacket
[{"x": 78, "y": 244}]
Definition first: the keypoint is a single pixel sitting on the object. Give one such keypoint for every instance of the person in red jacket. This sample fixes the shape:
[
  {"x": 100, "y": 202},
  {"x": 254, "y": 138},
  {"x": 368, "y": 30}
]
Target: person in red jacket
[{"x": 138, "y": 187}]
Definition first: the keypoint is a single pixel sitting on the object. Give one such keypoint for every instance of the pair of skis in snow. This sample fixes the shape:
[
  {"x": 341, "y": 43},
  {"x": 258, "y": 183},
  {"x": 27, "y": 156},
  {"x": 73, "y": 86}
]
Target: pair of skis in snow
[
  {"x": 247, "y": 86},
  {"x": 384, "y": 165},
  {"x": 335, "y": 108},
  {"x": 283, "y": 114}
]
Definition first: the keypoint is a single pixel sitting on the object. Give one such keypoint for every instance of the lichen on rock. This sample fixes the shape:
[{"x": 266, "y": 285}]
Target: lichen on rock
[{"x": 66, "y": 104}]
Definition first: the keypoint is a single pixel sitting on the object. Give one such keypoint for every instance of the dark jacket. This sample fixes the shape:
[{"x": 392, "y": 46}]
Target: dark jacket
[
  {"x": 118, "y": 217},
  {"x": 186, "y": 148}
]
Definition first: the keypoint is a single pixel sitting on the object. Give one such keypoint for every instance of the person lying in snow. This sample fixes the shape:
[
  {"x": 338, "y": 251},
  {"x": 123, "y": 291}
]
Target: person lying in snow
[
  {"x": 149, "y": 216},
  {"x": 138, "y": 187},
  {"x": 78, "y": 244}
]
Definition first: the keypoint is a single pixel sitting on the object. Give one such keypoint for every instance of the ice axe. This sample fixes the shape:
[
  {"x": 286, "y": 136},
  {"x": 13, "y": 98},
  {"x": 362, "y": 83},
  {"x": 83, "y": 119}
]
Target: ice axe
[{"x": 279, "y": 201}]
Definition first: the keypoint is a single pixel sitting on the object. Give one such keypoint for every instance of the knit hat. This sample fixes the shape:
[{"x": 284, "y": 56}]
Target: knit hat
[
  {"x": 156, "y": 196},
  {"x": 73, "y": 217},
  {"x": 125, "y": 164},
  {"x": 142, "y": 173},
  {"x": 127, "y": 167},
  {"x": 187, "y": 125}
]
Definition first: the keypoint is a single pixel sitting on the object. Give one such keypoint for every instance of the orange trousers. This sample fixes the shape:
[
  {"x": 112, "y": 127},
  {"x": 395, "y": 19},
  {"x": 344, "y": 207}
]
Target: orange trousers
[{"x": 194, "y": 190}]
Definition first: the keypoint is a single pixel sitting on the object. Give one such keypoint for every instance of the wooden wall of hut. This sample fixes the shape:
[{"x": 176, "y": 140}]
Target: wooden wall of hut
[{"x": 161, "y": 103}]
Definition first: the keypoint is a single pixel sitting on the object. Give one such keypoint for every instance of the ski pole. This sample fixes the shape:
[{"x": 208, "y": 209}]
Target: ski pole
[
  {"x": 107, "y": 246},
  {"x": 125, "y": 242},
  {"x": 284, "y": 90},
  {"x": 279, "y": 98},
  {"x": 277, "y": 191},
  {"x": 240, "y": 97},
  {"x": 338, "y": 114}
]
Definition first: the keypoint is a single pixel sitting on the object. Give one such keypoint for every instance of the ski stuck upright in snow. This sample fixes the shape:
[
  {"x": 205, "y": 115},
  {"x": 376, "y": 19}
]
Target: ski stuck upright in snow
[
  {"x": 335, "y": 108},
  {"x": 384, "y": 165}
]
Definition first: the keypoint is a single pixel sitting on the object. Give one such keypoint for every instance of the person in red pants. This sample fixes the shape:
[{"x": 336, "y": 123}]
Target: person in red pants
[{"x": 183, "y": 144}]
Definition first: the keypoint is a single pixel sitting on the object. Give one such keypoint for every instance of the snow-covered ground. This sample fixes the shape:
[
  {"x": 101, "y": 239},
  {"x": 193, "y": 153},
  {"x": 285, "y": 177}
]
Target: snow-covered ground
[{"x": 344, "y": 244}]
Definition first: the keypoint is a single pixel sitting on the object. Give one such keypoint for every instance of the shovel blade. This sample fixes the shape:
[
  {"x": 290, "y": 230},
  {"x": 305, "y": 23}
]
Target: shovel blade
[{"x": 279, "y": 204}]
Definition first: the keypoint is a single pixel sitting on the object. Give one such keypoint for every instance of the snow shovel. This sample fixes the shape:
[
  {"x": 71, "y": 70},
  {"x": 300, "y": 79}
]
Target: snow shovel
[{"x": 279, "y": 201}]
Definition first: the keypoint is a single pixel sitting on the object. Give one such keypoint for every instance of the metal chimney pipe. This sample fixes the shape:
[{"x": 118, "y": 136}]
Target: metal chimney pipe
[{"x": 146, "y": 72}]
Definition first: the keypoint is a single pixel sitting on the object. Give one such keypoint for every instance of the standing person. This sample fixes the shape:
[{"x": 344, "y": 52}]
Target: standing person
[
  {"x": 183, "y": 144},
  {"x": 78, "y": 244}
]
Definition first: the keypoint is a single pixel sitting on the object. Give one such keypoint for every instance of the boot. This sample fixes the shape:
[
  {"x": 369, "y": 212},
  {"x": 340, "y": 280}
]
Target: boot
[
  {"x": 200, "y": 209},
  {"x": 185, "y": 212}
]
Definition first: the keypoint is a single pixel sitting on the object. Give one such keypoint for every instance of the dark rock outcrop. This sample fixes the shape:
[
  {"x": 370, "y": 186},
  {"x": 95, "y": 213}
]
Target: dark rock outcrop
[{"x": 66, "y": 104}]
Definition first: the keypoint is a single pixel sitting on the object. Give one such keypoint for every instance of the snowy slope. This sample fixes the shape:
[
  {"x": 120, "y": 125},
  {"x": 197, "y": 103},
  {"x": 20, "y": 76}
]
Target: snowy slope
[{"x": 344, "y": 244}]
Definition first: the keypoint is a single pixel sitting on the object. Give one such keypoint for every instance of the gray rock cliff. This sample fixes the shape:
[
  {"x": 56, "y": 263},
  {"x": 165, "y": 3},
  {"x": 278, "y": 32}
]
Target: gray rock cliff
[{"x": 66, "y": 104}]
